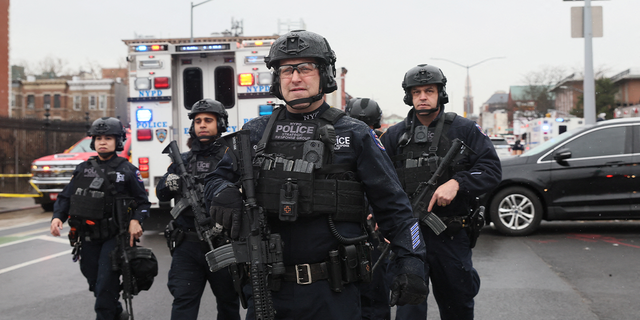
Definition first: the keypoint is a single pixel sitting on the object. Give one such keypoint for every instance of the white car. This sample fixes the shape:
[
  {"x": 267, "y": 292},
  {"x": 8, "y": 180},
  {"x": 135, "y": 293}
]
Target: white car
[{"x": 503, "y": 149}]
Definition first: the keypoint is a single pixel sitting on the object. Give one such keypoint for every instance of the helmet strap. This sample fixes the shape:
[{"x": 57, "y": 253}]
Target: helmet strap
[
  {"x": 309, "y": 100},
  {"x": 106, "y": 155}
]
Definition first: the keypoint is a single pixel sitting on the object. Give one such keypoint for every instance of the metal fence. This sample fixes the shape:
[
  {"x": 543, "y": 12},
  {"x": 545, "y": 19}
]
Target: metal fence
[{"x": 24, "y": 140}]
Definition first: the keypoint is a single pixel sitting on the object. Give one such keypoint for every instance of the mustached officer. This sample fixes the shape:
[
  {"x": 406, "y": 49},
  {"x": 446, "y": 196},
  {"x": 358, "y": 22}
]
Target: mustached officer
[
  {"x": 333, "y": 162},
  {"x": 189, "y": 272},
  {"x": 422, "y": 139},
  {"x": 89, "y": 204}
]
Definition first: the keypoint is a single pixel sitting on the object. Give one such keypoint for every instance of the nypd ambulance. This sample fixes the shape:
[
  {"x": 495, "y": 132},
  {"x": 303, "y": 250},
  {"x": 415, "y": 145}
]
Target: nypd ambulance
[{"x": 167, "y": 76}]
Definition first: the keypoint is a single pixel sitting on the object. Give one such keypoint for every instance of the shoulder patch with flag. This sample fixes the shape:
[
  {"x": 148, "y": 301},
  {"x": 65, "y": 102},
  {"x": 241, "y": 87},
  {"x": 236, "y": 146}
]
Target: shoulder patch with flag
[{"x": 479, "y": 128}]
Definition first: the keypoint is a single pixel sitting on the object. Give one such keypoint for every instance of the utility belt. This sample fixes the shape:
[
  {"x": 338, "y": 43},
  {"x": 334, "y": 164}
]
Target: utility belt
[
  {"x": 93, "y": 230},
  {"x": 471, "y": 223},
  {"x": 176, "y": 234},
  {"x": 348, "y": 264}
]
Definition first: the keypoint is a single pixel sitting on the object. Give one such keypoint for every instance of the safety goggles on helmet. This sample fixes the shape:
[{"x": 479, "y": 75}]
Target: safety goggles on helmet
[{"x": 304, "y": 69}]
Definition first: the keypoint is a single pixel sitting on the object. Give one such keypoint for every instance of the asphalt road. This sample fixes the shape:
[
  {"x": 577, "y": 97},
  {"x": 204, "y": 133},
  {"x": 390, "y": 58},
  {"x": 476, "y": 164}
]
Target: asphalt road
[{"x": 568, "y": 270}]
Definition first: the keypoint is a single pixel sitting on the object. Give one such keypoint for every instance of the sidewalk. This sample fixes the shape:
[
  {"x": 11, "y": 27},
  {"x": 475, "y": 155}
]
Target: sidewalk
[{"x": 13, "y": 204}]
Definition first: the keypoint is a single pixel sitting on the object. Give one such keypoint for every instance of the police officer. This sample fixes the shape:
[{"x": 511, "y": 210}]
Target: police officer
[
  {"x": 367, "y": 111},
  {"x": 189, "y": 272},
  {"x": 88, "y": 202},
  {"x": 427, "y": 131},
  {"x": 348, "y": 163},
  {"x": 374, "y": 296}
]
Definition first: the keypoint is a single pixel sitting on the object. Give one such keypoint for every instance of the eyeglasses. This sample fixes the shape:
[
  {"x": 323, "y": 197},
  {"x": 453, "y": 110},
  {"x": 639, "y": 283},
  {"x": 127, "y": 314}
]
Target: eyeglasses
[{"x": 304, "y": 69}]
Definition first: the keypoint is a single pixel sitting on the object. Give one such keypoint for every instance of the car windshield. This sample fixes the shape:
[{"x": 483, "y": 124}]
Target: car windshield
[
  {"x": 545, "y": 145},
  {"x": 83, "y": 146}
]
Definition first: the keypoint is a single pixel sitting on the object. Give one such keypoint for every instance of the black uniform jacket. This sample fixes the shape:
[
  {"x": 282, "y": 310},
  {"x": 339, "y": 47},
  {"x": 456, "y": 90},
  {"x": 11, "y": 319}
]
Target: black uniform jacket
[
  {"x": 308, "y": 239},
  {"x": 484, "y": 171},
  {"x": 129, "y": 184}
]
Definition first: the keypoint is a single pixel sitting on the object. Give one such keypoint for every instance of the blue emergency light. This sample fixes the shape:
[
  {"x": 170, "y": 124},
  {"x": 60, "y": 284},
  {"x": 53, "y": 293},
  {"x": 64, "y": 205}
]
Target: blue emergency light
[
  {"x": 144, "y": 115},
  {"x": 142, "y": 48},
  {"x": 265, "y": 109},
  {"x": 559, "y": 119}
]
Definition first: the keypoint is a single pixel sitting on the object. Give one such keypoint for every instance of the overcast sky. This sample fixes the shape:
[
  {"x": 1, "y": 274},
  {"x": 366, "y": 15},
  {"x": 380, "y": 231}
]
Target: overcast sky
[{"x": 377, "y": 42}]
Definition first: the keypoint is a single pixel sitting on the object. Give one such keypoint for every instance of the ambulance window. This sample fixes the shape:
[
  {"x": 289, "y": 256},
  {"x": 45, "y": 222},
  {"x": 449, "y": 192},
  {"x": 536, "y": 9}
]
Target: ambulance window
[
  {"x": 224, "y": 81},
  {"x": 192, "y": 86}
]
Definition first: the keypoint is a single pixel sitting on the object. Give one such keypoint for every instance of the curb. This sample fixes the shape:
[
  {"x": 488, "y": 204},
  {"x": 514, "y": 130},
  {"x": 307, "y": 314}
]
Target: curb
[{"x": 18, "y": 209}]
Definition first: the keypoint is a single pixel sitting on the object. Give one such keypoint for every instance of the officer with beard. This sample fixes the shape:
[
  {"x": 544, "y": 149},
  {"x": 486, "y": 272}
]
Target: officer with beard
[
  {"x": 189, "y": 272},
  {"x": 88, "y": 201},
  {"x": 348, "y": 163},
  {"x": 426, "y": 134}
]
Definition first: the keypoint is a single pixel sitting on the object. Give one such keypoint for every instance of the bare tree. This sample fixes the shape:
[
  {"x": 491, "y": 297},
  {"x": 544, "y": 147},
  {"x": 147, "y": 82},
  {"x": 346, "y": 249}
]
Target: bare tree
[
  {"x": 538, "y": 84},
  {"x": 52, "y": 67}
]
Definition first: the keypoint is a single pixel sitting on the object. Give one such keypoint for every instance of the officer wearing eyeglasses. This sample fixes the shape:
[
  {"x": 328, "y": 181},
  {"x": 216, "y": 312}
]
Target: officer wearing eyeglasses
[{"x": 333, "y": 162}]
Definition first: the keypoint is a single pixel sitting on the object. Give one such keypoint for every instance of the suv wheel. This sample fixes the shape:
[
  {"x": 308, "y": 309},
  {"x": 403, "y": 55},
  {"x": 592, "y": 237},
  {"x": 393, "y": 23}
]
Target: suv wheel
[
  {"x": 47, "y": 206},
  {"x": 516, "y": 211}
]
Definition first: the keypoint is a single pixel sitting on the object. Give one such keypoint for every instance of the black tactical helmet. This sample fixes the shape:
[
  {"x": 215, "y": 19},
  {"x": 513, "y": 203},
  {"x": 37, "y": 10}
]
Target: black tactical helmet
[
  {"x": 108, "y": 126},
  {"x": 303, "y": 44},
  {"x": 365, "y": 110},
  {"x": 421, "y": 75},
  {"x": 211, "y": 106}
]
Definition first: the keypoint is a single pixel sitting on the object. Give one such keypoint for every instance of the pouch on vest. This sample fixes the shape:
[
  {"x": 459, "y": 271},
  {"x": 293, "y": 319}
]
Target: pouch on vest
[
  {"x": 289, "y": 201},
  {"x": 88, "y": 204}
]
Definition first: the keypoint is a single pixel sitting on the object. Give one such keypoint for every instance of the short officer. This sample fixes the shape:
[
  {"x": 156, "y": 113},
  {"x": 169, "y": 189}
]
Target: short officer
[
  {"x": 331, "y": 209},
  {"x": 427, "y": 133},
  {"x": 89, "y": 204},
  {"x": 375, "y": 295},
  {"x": 189, "y": 272}
]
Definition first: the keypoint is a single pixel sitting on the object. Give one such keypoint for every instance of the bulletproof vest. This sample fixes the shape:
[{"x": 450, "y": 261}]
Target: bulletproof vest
[
  {"x": 201, "y": 164},
  {"x": 418, "y": 159},
  {"x": 296, "y": 176},
  {"x": 92, "y": 199}
]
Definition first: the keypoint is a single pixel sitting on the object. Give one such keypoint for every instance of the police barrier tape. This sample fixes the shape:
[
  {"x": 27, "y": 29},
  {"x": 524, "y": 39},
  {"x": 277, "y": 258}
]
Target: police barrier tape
[{"x": 21, "y": 195}]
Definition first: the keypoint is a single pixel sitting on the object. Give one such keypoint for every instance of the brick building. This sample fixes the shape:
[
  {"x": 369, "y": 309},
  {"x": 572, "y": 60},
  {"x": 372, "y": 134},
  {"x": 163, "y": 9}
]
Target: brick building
[
  {"x": 69, "y": 100},
  {"x": 628, "y": 83},
  {"x": 567, "y": 92},
  {"x": 5, "y": 84}
]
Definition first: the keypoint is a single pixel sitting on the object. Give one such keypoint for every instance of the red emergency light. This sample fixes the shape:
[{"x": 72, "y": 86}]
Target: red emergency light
[
  {"x": 161, "y": 82},
  {"x": 144, "y": 135},
  {"x": 246, "y": 79},
  {"x": 143, "y": 165}
]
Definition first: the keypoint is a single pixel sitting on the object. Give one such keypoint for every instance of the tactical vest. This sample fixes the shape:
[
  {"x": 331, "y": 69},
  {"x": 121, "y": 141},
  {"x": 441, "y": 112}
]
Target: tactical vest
[
  {"x": 200, "y": 165},
  {"x": 418, "y": 160},
  {"x": 92, "y": 199},
  {"x": 290, "y": 187}
]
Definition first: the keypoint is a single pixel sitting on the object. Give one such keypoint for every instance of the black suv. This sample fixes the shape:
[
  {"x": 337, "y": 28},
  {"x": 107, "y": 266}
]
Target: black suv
[{"x": 589, "y": 173}]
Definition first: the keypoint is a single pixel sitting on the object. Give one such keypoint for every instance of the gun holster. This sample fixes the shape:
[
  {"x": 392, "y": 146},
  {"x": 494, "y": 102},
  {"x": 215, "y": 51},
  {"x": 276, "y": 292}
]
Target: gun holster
[
  {"x": 174, "y": 236},
  {"x": 477, "y": 223}
]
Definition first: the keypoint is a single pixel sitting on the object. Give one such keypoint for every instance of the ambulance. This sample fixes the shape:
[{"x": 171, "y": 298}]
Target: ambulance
[
  {"x": 167, "y": 76},
  {"x": 543, "y": 129}
]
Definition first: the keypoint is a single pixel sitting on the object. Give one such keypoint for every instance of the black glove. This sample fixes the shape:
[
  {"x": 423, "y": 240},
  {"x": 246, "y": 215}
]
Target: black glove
[
  {"x": 408, "y": 289},
  {"x": 173, "y": 182},
  {"x": 226, "y": 210}
]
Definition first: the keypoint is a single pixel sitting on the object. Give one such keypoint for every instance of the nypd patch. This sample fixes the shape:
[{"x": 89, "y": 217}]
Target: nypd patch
[
  {"x": 139, "y": 176},
  {"x": 479, "y": 128},
  {"x": 376, "y": 139}
]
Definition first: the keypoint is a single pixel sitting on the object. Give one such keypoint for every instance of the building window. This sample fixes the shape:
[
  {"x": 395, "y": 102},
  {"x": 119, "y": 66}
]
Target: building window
[
  {"x": 47, "y": 101},
  {"x": 92, "y": 102},
  {"x": 31, "y": 101},
  {"x": 77, "y": 104},
  {"x": 102, "y": 102},
  {"x": 56, "y": 101},
  {"x": 13, "y": 100}
]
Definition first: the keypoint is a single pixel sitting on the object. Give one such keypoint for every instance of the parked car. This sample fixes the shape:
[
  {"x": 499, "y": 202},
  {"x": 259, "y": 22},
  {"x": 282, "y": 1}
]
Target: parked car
[
  {"x": 589, "y": 173},
  {"x": 503, "y": 148},
  {"x": 53, "y": 172}
]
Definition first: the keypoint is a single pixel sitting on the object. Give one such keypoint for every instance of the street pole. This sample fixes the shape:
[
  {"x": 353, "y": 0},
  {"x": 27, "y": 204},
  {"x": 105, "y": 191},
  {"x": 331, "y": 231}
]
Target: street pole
[
  {"x": 589, "y": 82},
  {"x": 467, "y": 85},
  {"x": 193, "y": 6}
]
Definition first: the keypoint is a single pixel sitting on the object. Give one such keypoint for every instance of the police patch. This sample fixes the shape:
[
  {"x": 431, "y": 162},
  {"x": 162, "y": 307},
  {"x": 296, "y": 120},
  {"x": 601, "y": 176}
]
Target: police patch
[
  {"x": 343, "y": 142},
  {"x": 90, "y": 172},
  {"x": 479, "y": 128},
  {"x": 138, "y": 175},
  {"x": 376, "y": 139},
  {"x": 161, "y": 134},
  {"x": 119, "y": 177},
  {"x": 203, "y": 166},
  {"x": 293, "y": 131}
]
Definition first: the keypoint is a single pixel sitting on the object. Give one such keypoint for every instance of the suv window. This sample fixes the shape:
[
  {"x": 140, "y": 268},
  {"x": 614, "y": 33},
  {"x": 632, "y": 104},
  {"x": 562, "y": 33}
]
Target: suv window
[
  {"x": 598, "y": 143},
  {"x": 499, "y": 142},
  {"x": 83, "y": 146}
]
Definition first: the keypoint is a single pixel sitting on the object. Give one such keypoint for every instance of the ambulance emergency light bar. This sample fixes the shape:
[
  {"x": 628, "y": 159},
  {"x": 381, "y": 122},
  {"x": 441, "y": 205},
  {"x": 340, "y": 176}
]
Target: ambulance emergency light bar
[
  {"x": 257, "y": 43},
  {"x": 204, "y": 47},
  {"x": 155, "y": 47}
]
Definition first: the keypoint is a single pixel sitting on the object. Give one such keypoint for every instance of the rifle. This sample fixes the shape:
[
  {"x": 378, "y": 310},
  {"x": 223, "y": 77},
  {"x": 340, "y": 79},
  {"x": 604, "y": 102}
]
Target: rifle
[
  {"x": 257, "y": 247},
  {"x": 422, "y": 196},
  {"x": 383, "y": 245},
  {"x": 120, "y": 259},
  {"x": 192, "y": 196}
]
